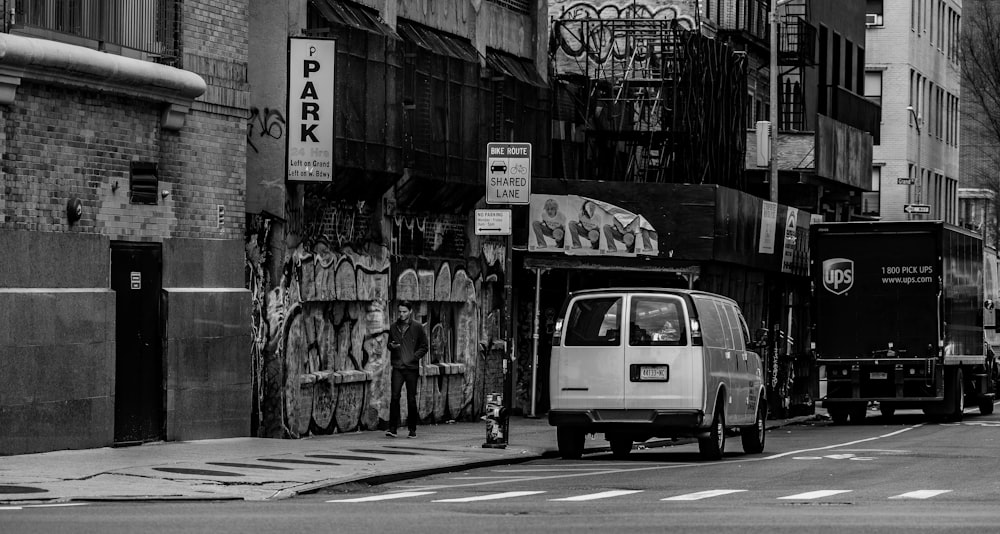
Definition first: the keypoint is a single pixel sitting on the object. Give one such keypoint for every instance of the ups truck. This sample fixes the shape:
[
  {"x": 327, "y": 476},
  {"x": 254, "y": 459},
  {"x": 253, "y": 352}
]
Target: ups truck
[{"x": 898, "y": 318}]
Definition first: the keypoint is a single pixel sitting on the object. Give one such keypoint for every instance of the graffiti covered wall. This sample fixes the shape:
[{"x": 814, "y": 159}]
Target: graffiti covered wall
[{"x": 320, "y": 333}]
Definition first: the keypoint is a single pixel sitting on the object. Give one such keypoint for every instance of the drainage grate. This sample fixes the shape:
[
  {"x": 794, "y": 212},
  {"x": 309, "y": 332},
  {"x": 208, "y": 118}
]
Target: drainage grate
[
  {"x": 21, "y": 489},
  {"x": 345, "y": 457},
  {"x": 203, "y": 472},
  {"x": 382, "y": 451},
  {"x": 291, "y": 461},
  {"x": 250, "y": 466}
]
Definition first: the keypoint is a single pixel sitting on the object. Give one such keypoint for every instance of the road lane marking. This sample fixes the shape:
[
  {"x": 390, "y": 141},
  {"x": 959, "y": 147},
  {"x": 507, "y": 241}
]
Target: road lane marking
[
  {"x": 595, "y": 496},
  {"x": 920, "y": 494},
  {"x": 702, "y": 495},
  {"x": 813, "y": 495},
  {"x": 840, "y": 445},
  {"x": 529, "y": 478},
  {"x": 386, "y": 496},
  {"x": 10, "y": 508},
  {"x": 492, "y": 496}
]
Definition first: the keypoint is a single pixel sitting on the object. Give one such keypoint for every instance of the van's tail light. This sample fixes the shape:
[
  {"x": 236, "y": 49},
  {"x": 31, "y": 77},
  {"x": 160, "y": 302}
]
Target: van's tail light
[
  {"x": 557, "y": 334},
  {"x": 695, "y": 333}
]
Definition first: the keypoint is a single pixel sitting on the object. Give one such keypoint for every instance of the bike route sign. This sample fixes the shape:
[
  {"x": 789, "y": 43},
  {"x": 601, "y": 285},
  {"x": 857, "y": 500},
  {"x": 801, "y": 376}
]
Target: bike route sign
[{"x": 508, "y": 173}]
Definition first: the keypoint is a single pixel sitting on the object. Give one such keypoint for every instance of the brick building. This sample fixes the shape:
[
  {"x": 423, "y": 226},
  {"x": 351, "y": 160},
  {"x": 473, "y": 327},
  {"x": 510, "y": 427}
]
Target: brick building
[
  {"x": 124, "y": 310},
  {"x": 912, "y": 62}
]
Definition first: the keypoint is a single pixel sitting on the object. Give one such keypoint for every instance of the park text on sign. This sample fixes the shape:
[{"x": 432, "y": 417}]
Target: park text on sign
[
  {"x": 493, "y": 222},
  {"x": 310, "y": 109},
  {"x": 508, "y": 173}
]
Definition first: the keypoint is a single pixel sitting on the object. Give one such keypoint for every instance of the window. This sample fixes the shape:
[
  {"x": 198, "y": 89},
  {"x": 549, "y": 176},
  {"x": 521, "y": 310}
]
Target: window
[
  {"x": 657, "y": 321},
  {"x": 873, "y": 88},
  {"x": 712, "y": 326},
  {"x": 876, "y": 177},
  {"x": 873, "y": 13},
  {"x": 149, "y": 26},
  {"x": 594, "y": 322}
]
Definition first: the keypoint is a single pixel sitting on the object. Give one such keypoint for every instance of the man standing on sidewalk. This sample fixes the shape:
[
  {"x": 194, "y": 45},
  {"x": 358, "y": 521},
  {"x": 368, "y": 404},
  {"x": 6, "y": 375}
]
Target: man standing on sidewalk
[{"x": 407, "y": 344}]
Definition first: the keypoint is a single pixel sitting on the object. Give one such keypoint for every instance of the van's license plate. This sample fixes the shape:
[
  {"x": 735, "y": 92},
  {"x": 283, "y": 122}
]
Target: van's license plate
[
  {"x": 878, "y": 376},
  {"x": 653, "y": 373}
]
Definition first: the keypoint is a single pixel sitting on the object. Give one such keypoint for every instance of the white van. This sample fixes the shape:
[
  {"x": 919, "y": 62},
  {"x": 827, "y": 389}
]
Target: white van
[{"x": 639, "y": 363}]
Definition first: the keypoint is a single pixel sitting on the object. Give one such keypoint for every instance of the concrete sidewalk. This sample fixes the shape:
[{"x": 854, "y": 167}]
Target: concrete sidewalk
[{"x": 259, "y": 468}]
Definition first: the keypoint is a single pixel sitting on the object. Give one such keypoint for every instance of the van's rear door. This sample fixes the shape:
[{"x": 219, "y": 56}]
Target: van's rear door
[
  {"x": 661, "y": 370},
  {"x": 587, "y": 366}
]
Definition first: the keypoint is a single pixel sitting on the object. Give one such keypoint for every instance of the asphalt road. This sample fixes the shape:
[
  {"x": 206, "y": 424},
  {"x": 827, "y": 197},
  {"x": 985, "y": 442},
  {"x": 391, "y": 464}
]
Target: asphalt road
[{"x": 907, "y": 474}]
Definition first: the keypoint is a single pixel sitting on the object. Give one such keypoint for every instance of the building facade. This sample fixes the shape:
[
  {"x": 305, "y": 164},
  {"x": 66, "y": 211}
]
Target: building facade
[
  {"x": 419, "y": 89},
  {"x": 912, "y": 68},
  {"x": 125, "y": 313}
]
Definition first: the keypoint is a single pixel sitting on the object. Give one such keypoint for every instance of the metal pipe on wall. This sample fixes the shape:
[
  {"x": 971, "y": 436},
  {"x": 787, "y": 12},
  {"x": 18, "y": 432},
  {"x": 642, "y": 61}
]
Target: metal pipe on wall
[{"x": 534, "y": 340}]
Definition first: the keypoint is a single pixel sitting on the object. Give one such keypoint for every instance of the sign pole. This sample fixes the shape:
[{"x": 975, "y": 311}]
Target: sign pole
[
  {"x": 508, "y": 182},
  {"x": 510, "y": 357}
]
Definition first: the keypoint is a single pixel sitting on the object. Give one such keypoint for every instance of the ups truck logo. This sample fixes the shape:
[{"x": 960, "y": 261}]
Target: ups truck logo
[{"x": 838, "y": 275}]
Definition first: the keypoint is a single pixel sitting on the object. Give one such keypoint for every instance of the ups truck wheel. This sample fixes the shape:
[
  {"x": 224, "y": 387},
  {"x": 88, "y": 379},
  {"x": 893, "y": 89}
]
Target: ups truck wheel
[
  {"x": 620, "y": 447},
  {"x": 887, "y": 411},
  {"x": 986, "y": 405},
  {"x": 570, "y": 441},
  {"x": 954, "y": 395},
  {"x": 858, "y": 414},
  {"x": 838, "y": 415},
  {"x": 753, "y": 436},
  {"x": 713, "y": 446}
]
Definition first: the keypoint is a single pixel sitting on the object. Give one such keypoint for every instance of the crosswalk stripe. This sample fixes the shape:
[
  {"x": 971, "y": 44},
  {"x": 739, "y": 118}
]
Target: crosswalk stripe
[
  {"x": 595, "y": 496},
  {"x": 386, "y": 496},
  {"x": 814, "y": 495},
  {"x": 492, "y": 496},
  {"x": 701, "y": 495},
  {"x": 920, "y": 494}
]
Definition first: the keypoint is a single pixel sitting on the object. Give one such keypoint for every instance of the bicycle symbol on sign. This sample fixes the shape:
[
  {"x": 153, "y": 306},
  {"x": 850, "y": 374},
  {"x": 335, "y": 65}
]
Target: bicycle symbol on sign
[{"x": 517, "y": 170}]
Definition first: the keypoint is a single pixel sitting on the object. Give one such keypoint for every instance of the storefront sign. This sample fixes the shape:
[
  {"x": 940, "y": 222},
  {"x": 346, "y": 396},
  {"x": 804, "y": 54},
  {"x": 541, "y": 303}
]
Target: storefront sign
[{"x": 310, "y": 109}]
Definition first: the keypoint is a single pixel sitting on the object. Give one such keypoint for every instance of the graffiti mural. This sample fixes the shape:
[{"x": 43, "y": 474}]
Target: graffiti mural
[
  {"x": 578, "y": 31},
  {"x": 324, "y": 329}
]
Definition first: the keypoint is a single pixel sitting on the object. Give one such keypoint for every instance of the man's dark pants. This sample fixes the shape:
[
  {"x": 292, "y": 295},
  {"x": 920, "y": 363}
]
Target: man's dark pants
[{"x": 399, "y": 377}]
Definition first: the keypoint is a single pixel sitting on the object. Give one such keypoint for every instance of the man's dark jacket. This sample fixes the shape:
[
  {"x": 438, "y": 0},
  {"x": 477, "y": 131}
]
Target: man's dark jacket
[{"x": 412, "y": 341}]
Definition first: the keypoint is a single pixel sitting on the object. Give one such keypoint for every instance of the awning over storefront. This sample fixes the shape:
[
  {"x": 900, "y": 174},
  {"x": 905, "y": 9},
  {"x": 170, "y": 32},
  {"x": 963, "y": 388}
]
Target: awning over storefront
[
  {"x": 353, "y": 15},
  {"x": 610, "y": 264},
  {"x": 515, "y": 67},
  {"x": 437, "y": 42}
]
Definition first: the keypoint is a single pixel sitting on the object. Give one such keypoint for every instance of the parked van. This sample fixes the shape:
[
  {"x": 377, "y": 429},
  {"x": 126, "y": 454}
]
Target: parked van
[{"x": 639, "y": 363}]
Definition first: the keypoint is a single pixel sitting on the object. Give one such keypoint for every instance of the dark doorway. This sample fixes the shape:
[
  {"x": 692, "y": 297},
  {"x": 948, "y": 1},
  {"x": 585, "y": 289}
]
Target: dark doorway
[{"x": 139, "y": 390}]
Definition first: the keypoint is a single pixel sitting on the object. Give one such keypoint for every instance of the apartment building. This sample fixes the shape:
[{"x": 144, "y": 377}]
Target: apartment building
[{"x": 912, "y": 70}]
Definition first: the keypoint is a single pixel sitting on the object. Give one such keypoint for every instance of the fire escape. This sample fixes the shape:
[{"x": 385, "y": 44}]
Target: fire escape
[
  {"x": 796, "y": 50},
  {"x": 661, "y": 103}
]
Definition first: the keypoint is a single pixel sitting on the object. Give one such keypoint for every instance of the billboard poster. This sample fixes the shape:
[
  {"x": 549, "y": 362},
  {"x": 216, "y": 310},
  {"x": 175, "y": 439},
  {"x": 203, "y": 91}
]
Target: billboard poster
[
  {"x": 585, "y": 226},
  {"x": 310, "y": 109}
]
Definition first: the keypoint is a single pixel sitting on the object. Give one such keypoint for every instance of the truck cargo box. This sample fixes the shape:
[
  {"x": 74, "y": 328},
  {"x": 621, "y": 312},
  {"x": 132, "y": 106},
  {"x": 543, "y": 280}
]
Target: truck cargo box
[{"x": 897, "y": 289}]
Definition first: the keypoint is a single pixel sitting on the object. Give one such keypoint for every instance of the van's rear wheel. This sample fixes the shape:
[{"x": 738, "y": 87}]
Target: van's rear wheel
[
  {"x": 620, "y": 446},
  {"x": 753, "y": 436},
  {"x": 713, "y": 446},
  {"x": 570, "y": 441},
  {"x": 986, "y": 405}
]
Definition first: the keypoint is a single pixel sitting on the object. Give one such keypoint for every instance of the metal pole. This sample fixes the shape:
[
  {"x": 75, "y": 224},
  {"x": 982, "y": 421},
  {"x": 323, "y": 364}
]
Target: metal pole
[
  {"x": 509, "y": 358},
  {"x": 534, "y": 340},
  {"x": 773, "y": 99}
]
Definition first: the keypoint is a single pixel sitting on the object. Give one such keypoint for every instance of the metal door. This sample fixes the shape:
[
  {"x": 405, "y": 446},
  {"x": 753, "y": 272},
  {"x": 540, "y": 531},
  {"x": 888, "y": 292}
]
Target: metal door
[{"x": 139, "y": 389}]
